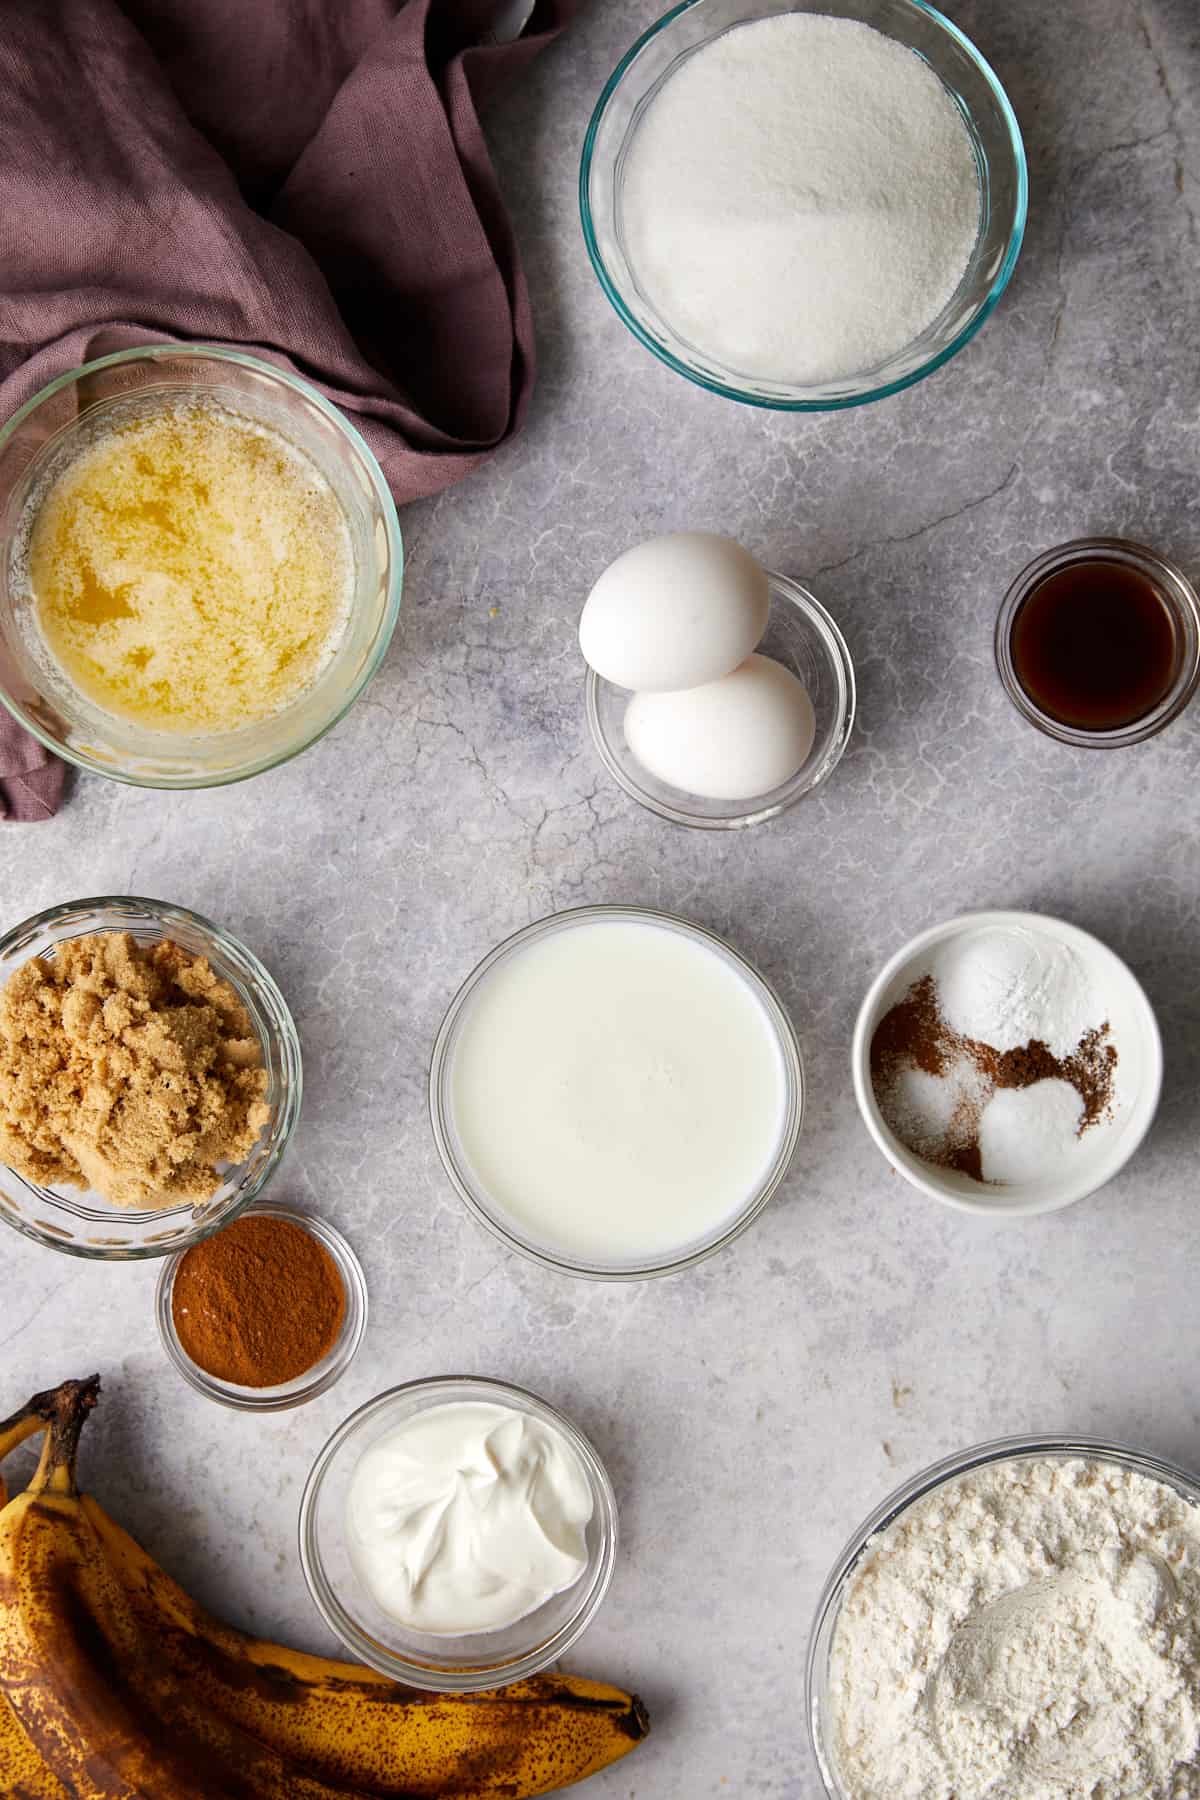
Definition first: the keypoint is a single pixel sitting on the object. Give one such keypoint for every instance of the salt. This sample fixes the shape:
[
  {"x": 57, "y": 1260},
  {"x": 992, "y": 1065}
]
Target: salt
[
  {"x": 935, "y": 1116},
  {"x": 800, "y": 200}
]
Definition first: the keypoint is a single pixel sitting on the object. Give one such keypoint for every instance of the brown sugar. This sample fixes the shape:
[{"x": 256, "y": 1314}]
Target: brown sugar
[
  {"x": 259, "y": 1303},
  {"x": 129, "y": 1068}
]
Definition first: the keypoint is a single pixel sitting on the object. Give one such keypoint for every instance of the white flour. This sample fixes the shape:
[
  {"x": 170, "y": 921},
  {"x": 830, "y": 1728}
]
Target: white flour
[
  {"x": 1029, "y": 1632},
  {"x": 801, "y": 198}
]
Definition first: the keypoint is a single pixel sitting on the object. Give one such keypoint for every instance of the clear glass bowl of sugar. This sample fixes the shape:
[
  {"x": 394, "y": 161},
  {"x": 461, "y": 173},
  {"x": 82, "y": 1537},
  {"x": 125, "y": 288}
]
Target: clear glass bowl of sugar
[{"x": 995, "y": 143}]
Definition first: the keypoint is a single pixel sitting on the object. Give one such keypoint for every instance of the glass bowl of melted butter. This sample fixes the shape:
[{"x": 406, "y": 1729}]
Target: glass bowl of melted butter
[{"x": 200, "y": 570}]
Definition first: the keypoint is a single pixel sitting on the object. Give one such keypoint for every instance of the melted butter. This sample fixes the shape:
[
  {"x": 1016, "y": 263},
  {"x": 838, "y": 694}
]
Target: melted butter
[{"x": 191, "y": 571}]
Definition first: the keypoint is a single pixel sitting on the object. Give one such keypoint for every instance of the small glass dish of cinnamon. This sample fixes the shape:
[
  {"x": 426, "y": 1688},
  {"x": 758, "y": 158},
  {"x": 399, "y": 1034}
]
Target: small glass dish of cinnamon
[{"x": 266, "y": 1314}]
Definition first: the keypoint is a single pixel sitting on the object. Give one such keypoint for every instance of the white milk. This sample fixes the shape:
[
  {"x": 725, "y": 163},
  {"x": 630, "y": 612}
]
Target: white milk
[{"x": 618, "y": 1090}]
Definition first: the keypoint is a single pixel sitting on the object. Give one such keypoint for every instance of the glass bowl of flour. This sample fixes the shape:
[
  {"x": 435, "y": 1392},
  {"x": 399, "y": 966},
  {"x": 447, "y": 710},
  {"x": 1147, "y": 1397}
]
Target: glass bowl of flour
[
  {"x": 803, "y": 204},
  {"x": 1018, "y": 1622}
]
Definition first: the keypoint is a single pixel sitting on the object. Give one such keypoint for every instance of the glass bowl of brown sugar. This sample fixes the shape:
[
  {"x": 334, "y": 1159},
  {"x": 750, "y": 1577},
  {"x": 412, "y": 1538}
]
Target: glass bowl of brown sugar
[
  {"x": 81, "y": 1220},
  {"x": 266, "y": 1314}
]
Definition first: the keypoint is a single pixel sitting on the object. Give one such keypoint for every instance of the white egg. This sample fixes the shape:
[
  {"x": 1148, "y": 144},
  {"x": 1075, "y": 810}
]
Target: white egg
[
  {"x": 675, "y": 612},
  {"x": 732, "y": 739}
]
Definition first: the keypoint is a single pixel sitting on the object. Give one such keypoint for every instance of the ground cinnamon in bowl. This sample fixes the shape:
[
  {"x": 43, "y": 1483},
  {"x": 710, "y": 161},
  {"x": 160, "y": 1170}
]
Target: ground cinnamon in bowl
[
  {"x": 258, "y": 1304},
  {"x": 915, "y": 1053}
]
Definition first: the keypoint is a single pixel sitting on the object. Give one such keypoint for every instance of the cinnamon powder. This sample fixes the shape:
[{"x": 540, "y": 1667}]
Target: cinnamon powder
[
  {"x": 914, "y": 1035},
  {"x": 259, "y": 1303}
]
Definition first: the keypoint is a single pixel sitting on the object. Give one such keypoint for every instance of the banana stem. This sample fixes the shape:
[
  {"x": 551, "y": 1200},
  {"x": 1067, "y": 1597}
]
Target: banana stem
[
  {"x": 22, "y": 1425},
  {"x": 63, "y": 1409}
]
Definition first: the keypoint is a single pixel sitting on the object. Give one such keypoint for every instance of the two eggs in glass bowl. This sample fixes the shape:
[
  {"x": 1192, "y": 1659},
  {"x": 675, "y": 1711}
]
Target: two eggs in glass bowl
[{"x": 718, "y": 693}]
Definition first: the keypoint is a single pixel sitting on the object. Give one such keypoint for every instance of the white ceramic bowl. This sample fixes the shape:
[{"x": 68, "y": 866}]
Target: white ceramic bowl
[{"x": 1103, "y": 1151}]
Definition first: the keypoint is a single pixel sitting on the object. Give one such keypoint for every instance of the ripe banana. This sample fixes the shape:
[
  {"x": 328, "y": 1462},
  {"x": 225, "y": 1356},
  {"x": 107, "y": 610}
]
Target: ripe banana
[
  {"x": 24, "y": 1774},
  {"x": 120, "y": 1686}
]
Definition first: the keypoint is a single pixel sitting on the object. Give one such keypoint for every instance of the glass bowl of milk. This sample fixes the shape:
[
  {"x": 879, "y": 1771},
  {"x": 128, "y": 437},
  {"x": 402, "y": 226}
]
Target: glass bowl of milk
[
  {"x": 616, "y": 1093},
  {"x": 435, "y": 1610}
]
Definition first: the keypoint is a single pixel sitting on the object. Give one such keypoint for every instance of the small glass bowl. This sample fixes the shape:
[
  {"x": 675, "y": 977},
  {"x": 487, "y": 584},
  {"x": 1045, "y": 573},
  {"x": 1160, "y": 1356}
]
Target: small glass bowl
[
  {"x": 1176, "y": 590},
  {"x": 803, "y": 637},
  {"x": 84, "y": 1223},
  {"x": 999, "y": 154},
  {"x": 818, "y": 1710},
  {"x": 458, "y": 1166},
  {"x": 445, "y": 1665},
  {"x": 313, "y": 1381},
  {"x": 47, "y": 430}
]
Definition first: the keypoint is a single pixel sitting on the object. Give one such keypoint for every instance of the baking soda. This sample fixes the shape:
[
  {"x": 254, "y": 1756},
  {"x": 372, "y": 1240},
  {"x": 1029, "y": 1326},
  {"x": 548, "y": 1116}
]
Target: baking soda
[
  {"x": 1024, "y": 1131},
  {"x": 1011, "y": 986},
  {"x": 801, "y": 199}
]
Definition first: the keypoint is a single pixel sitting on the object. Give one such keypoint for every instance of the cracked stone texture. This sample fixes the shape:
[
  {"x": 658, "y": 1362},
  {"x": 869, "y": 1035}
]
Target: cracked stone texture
[{"x": 753, "y": 1411}]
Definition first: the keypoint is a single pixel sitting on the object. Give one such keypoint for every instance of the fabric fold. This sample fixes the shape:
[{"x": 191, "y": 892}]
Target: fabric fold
[
  {"x": 31, "y": 780},
  {"x": 306, "y": 181}
]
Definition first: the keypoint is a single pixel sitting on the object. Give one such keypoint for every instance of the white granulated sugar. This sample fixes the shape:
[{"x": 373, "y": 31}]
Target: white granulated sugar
[
  {"x": 1009, "y": 986},
  {"x": 933, "y": 1113},
  {"x": 1024, "y": 1133},
  {"x": 1031, "y": 1631},
  {"x": 801, "y": 198}
]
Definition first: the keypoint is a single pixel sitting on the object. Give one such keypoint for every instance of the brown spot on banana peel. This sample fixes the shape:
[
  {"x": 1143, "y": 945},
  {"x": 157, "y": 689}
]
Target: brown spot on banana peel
[{"x": 132, "y": 1735}]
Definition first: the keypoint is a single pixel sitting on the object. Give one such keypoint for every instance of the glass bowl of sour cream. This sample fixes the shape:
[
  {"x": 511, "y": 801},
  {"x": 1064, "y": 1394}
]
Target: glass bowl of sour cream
[
  {"x": 524, "y": 1549},
  {"x": 616, "y": 1093},
  {"x": 202, "y": 565}
]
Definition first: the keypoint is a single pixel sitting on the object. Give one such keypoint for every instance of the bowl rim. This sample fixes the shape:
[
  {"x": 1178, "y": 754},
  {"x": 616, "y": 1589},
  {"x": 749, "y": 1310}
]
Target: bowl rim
[
  {"x": 925, "y": 1176},
  {"x": 918, "y": 1487},
  {"x": 162, "y": 912},
  {"x": 461, "y": 1680},
  {"x": 200, "y": 350},
  {"x": 781, "y": 402},
  {"x": 788, "y": 591},
  {"x": 789, "y": 1050},
  {"x": 322, "y": 1375}
]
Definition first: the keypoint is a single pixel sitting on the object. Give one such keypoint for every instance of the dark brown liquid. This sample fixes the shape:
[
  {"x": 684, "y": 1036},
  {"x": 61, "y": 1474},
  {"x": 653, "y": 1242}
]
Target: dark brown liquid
[{"x": 1095, "y": 645}]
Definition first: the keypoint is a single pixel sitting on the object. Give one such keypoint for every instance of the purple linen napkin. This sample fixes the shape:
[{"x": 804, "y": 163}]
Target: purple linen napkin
[
  {"x": 306, "y": 179},
  {"x": 31, "y": 780}
]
